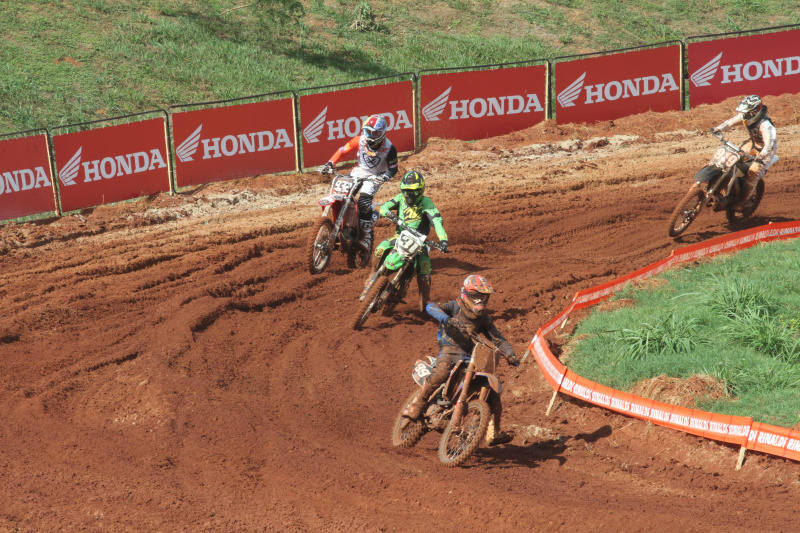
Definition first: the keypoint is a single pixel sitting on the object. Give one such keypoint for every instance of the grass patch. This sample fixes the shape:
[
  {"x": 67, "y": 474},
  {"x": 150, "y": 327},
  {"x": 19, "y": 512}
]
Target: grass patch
[
  {"x": 733, "y": 318},
  {"x": 68, "y": 61}
]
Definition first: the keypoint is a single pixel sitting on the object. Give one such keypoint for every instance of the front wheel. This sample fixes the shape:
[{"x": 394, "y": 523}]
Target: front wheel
[
  {"x": 407, "y": 432},
  {"x": 750, "y": 208},
  {"x": 687, "y": 210},
  {"x": 319, "y": 246},
  {"x": 370, "y": 303},
  {"x": 458, "y": 444}
]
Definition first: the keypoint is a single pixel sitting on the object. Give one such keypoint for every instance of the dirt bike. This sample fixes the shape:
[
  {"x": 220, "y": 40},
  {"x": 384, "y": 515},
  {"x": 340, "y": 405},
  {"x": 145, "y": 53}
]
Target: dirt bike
[
  {"x": 389, "y": 283},
  {"x": 458, "y": 408},
  {"x": 718, "y": 186},
  {"x": 338, "y": 228}
]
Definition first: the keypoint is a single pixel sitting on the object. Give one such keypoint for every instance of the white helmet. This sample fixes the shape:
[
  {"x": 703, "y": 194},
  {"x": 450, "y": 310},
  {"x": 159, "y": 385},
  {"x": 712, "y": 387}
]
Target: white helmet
[{"x": 751, "y": 108}]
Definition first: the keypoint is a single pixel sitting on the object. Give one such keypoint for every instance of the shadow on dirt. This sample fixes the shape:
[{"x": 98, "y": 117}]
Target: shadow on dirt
[
  {"x": 532, "y": 454},
  {"x": 529, "y": 455},
  {"x": 451, "y": 262}
]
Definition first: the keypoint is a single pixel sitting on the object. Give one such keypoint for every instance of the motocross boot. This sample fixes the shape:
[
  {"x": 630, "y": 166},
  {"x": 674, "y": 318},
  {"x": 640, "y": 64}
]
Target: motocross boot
[
  {"x": 366, "y": 234},
  {"x": 494, "y": 435},
  {"x": 748, "y": 190},
  {"x": 424, "y": 286}
]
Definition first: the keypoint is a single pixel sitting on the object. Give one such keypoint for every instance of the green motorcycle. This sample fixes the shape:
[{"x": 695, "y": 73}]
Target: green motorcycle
[{"x": 389, "y": 283}]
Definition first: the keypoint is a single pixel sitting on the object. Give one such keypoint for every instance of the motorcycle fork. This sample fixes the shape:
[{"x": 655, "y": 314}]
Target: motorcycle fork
[
  {"x": 461, "y": 404},
  {"x": 372, "y": 281},
  {"x": 395, "y": 282}
]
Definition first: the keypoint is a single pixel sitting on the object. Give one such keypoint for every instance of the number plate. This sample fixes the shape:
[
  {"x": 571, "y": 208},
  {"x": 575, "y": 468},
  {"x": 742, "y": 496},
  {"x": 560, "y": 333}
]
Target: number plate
[
  {"x": 341, "y": 186},
  {"x": 408, "y": 243}
]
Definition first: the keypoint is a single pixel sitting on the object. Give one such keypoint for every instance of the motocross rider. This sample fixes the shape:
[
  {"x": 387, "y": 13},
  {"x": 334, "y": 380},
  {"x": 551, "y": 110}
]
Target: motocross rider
[
  {"x": 419, "y": 212},
  {"x": 377, "y": 159},
  {"x": 753, "y": 114},
  {"x": 457, "y": 319}
]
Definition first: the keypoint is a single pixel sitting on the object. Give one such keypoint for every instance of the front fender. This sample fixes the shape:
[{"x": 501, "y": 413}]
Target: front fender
[
  {"x": 707, "y": 174},
  {"x": 488, "y": 379},
  {"x": 329, "y": 200}
]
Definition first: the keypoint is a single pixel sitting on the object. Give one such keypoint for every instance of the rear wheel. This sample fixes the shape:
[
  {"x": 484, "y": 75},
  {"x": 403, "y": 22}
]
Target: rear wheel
[
  {"x": 687, "y": 210},
  {"x": 749, "y": 208},
  {"x": 407, "y": 432},
  {"x": 319, "y": 247},
  {"x": 357, "y": 257},
  {"x": 458, "y": 444},
  {"x": 370, "y": 303}
]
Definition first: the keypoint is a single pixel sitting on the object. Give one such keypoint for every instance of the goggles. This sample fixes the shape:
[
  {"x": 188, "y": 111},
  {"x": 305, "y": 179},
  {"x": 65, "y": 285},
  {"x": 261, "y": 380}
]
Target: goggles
[{"x": 478, "y": 298}]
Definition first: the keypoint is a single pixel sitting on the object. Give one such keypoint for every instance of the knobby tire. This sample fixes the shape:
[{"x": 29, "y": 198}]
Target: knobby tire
[
  {"x": 318, "y": 261},
  {"x": 366, "y": 308},
  {"x": 357, "y": 257},
  {"x": 458, "y": 445},
  {"x": 734, "y": 216},
  {"x": 687, "y": 210}
]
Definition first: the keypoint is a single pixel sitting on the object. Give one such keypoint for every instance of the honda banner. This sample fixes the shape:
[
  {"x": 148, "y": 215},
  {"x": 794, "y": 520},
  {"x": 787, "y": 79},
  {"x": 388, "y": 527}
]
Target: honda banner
[
  {"x": 766, "y": 64},
  {"x": 331, "y": 119},
  {"x": 235, "y": 141},
  {"x": 482, "y": 103},
  {"x": 26, "y": 184},
  {"x": 617, "y": 85},
  {"x": 111, "y": 164}
]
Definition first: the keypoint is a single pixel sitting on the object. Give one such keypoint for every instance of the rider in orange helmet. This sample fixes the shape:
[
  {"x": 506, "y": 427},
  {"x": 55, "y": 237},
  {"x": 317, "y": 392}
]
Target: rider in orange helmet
[{"x": 457, "y": 319}]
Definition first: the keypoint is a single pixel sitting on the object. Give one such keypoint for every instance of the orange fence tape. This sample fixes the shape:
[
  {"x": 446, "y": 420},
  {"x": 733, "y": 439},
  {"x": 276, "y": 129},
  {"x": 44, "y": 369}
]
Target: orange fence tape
[{"x": 738, "y": 430}]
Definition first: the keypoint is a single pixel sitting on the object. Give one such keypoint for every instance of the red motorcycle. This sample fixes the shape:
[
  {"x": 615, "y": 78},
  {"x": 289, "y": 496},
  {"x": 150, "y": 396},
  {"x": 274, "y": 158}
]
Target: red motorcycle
[
  {"x": 338, "y": 228},
  {"x": 458, "y": 408}
]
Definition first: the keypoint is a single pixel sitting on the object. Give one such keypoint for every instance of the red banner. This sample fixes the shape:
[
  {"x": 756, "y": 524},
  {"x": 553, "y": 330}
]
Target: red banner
[
  {"x": 331, "y": 119},
  {"x": 482, "y": 103},
  {"x": 26, "y": 184},
  {"x": 766, "y": 64},
  {"x": 112, "y": 164},
  {"x": 230, "y": 142},
  {"x": 618, "y": 85}
]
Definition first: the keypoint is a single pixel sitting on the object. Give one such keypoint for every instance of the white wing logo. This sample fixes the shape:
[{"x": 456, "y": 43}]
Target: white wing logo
[
  {"x": 570, "y": 94},
  {"x": 68, "y": 174},
  {"x": 312, "y": 131},
  {"x": 432, "y": 111},
  {"x": 187, "y": 148},
  {"x": 704, "y": 74}
]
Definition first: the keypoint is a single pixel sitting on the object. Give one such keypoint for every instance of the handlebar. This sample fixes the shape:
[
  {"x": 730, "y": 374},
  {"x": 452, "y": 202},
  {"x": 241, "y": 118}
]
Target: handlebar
[
  {"x": 478, "y": 338},
  {"x": 396, "y": 221},
  {"x": 730, "y": 147}
]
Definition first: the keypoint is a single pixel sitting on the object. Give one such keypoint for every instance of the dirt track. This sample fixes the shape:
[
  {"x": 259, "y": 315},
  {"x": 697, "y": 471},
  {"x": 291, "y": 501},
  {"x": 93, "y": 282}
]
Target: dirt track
[{"x": 169, "y": 365}]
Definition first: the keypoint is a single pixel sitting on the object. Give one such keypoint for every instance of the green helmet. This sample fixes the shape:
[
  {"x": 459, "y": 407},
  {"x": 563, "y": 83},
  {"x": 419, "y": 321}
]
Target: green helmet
[{"x": 413, "y": 187}]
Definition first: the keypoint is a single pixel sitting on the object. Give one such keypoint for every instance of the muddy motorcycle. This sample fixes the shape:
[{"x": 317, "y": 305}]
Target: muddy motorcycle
[
  {"x": 458, "y": 408},
  {"x": 338, "y": 228},
  {"x": 389, "y": 283},
  {"x": 718, "y": 186}
]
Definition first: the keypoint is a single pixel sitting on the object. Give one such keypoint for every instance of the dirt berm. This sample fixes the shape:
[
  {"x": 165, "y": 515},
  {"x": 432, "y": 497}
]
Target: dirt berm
[{"x": 169, "y": 365}]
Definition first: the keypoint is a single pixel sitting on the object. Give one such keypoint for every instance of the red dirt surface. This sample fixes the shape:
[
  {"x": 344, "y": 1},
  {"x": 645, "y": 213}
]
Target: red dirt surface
[{"x": 169, "y": 364}]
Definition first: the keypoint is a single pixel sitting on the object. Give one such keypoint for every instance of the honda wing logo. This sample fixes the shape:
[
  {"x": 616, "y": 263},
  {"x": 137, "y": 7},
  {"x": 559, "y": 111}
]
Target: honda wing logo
[
  {"x": 432, "y": 111},
  {"x": 570, "y": 94},
  {"x": 312, "y": 131},
  {"x": 187, "y": 148},
  {"x": 706, "y": 73},
  {"x": 68, "y": 174}
]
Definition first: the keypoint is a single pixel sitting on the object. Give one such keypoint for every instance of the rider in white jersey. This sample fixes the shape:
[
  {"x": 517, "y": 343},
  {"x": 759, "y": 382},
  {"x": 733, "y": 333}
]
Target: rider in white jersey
[
  {"x": 377, "y": 158},
  {"x": 763, "y": 142}
]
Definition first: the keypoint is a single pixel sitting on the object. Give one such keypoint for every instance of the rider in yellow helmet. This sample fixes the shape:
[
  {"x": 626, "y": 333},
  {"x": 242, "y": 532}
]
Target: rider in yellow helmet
[{"x": 419, "y": 212}]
